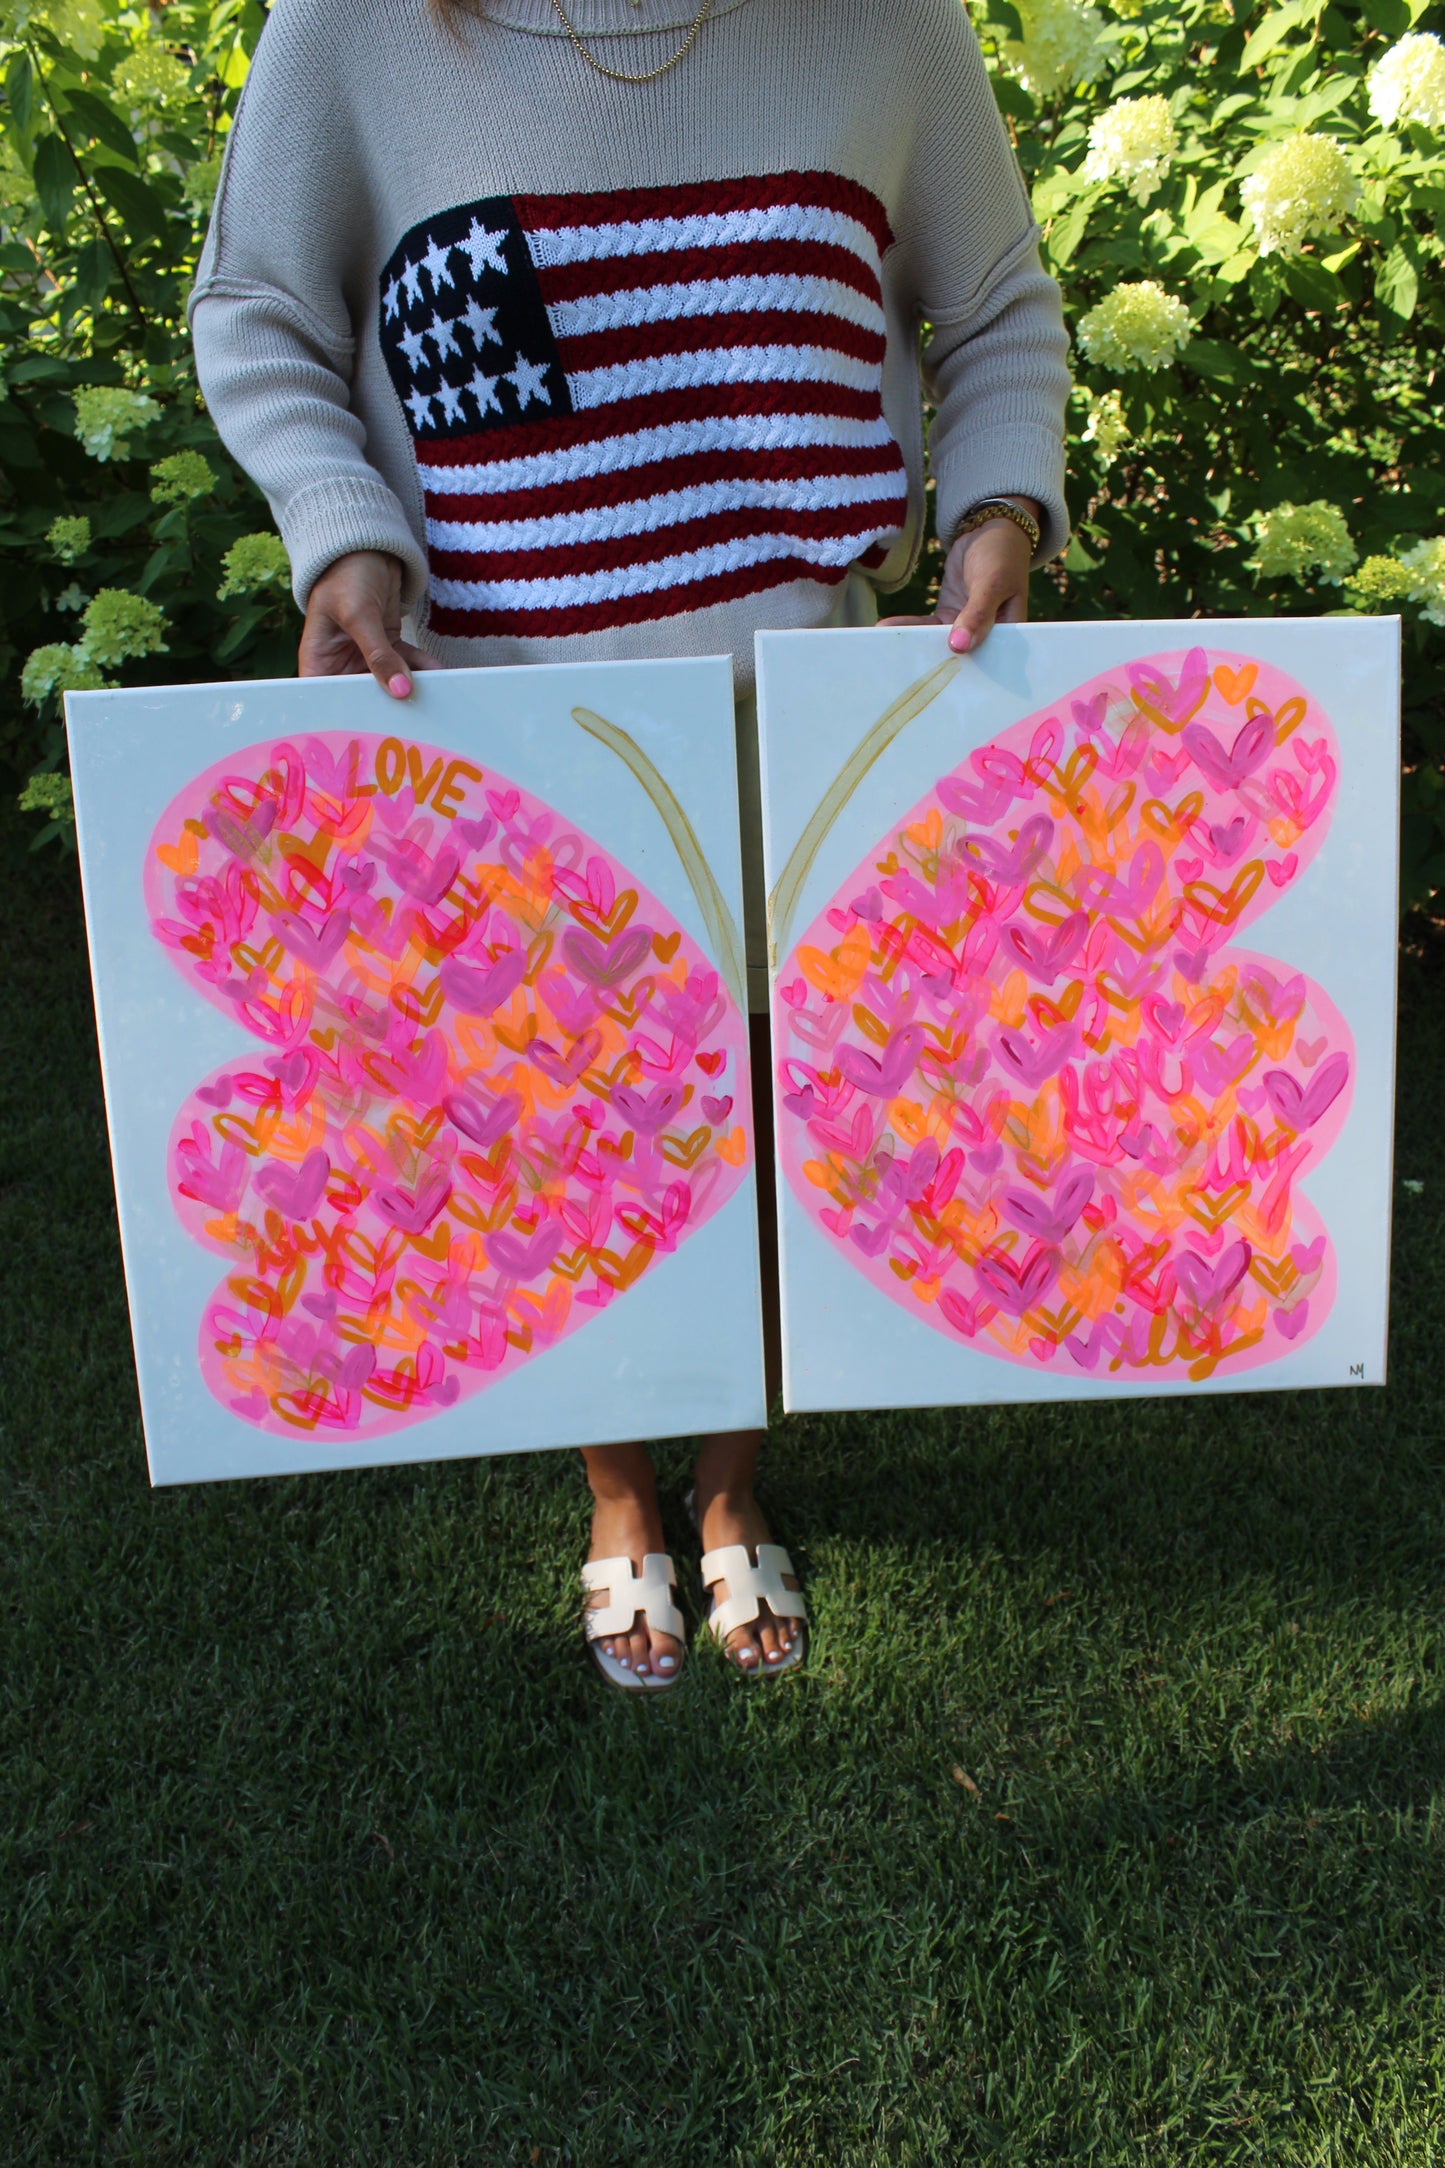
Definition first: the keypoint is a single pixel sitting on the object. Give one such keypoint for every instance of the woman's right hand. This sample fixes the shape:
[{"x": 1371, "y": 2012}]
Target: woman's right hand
[{"x": 353, "y": 624}]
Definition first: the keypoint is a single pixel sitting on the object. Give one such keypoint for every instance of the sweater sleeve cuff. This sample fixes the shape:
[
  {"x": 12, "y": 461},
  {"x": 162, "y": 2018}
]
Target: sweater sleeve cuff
[
  {"x": 327, "y": 520},
  {"x": 1025, "y": 462}
]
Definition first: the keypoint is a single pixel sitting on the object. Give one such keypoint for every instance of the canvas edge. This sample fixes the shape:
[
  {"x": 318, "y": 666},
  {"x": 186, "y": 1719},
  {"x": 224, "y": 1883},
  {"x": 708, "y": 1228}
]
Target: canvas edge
[{"x": 76, "y": 725}]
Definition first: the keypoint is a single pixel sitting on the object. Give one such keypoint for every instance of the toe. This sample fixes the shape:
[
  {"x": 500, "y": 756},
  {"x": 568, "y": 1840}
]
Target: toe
[
  {"x": 743, "y": 1648},
  {"x": 636, "y": 1650},
  {"x": 665, "y": 1656}
]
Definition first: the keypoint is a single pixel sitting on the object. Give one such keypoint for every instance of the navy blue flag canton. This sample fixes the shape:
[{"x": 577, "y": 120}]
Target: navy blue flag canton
[{"x": 463, "y": 326}]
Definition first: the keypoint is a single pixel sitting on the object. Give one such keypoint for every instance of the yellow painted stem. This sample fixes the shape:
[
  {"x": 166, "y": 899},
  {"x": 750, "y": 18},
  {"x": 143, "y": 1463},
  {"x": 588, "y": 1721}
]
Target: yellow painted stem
[
  {"x": 784, "y": 899},
  {"x": 718, "y": 919}
]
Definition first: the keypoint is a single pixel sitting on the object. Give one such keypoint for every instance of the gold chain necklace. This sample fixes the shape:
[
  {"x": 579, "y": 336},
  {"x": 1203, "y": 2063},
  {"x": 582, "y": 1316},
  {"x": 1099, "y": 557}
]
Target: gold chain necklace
[{"x": 615, "y": 75}]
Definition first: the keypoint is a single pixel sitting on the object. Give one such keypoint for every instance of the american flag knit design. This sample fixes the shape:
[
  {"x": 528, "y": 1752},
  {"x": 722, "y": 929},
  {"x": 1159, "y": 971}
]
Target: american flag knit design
[{"x": 632, "y": 405}]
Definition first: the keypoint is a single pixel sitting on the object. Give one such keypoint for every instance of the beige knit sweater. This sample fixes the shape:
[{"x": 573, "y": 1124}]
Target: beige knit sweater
[{"x": 626, "y": 369}]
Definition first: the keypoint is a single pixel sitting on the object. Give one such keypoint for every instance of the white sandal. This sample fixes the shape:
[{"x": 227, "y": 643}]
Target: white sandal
[
  {"x": 651, "y": 1594},
  {"x": 749, "y": 1587}
]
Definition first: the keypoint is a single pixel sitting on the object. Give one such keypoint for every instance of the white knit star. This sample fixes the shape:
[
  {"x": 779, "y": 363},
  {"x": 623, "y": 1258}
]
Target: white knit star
[
  {"x": 484, "y": 249},
  {"x": 484, "y": 390},
  {"x": 392, "y": 299},
  {"x": 413, "y": 345},
  {"x": 440, "y": 329},
  {"x": 420, "y": 406},
  {"x": 411, "y": 280},
  {"x": 529, "y": 379},
  {"x": 481, "y": 323},
  {"x": 450, "y": 396},
  {"x": 435, "y": 260}
]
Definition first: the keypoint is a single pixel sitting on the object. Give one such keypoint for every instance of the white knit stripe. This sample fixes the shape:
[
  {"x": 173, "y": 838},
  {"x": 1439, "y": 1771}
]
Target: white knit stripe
[
  {"x": 605, "y": 523},
  {"x": 707, "y": 229},
  {"x": 721, "y": 365},
  {"x": 715, "y": 297},
  {"x": 643, "y": 447},
  {"x": 566, "y": 590}
]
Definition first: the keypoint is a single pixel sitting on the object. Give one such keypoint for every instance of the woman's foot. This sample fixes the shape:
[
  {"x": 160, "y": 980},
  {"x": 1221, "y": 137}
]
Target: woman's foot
[
  {"x": 626, "y": 1524},
  {"x": 726, "y": 1517}
]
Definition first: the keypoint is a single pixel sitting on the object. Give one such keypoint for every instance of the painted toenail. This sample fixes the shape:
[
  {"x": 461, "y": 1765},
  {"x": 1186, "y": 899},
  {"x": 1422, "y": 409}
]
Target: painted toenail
[{"x": 665, "y": 1663}]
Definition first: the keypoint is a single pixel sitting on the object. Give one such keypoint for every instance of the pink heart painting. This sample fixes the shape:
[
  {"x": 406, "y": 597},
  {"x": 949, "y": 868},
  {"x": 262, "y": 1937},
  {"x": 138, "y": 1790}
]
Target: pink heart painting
[
  {"x": 1028, "y": 1086},
  {"x": 494, "y": 1081}
]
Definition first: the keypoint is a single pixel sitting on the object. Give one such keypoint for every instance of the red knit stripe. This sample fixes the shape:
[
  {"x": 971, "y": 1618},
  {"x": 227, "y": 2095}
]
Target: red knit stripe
[
  {"x": 739, "y": 259},
  {"x": 761, "y": 192},
  {"x": 614, "y": 551},
  {"x": 734, "y": 328},
  {"x": 647, "y": 411},
  {"x": 632, "y": 609},
  {"x": 651, "y": 478}
]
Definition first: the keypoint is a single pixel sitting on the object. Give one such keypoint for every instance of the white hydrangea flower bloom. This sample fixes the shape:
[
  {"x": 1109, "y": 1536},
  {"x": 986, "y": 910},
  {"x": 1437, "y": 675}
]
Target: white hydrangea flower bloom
[
  {"x": 1060, "y": 46},
  {"x": 1304, "y": 186},
  {"x": 1132, "y": 141},
  {"x": 1296, "y": 539},
  {"x": 1137, "y": 326},
  {"x": 107, "y": 416},
  {"x": 149, "y": 75},
  {"x": 1425, "y": 564},
  {"x": 1408, "y": 83},
  {"x": 1106, "y": 425}
]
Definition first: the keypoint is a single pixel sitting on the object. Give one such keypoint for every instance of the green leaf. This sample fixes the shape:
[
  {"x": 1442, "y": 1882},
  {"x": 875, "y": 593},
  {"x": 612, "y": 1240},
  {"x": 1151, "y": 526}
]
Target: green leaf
[
  {"x": 1391, "y": 17},
  {"x": 246, "y": 623},
  {"x": 93, "y": 266},
  {"x": 1012, "y": 99},
  {"x": 1223, "y": 364},
  {"x": 1065, "y": 236},
  {"x": 1276, "y": 27},
  {"x": 1077, "y": 559},
  {"x": 1312, "y": 286},
  {"x": 118, "y": 515},
  {"x": 138, "y": 205},
  {"x": 1397, "y": 283},
  {"x": 1007, "y": 16},
  {"x": 102, "y": 123},
  {"x": 54, "y": 181},
  {"x": 20, "y": 90}
]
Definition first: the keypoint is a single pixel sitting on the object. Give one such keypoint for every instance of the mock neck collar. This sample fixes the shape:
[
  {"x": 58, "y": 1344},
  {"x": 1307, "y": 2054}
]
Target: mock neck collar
[{"x": 602, "y": 18}]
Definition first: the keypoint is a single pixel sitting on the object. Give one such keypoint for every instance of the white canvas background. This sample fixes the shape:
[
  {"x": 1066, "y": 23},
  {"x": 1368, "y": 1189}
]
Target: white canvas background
[
  {"x": 818, "y": 695},
  {"x": 681, "y": 1351}
]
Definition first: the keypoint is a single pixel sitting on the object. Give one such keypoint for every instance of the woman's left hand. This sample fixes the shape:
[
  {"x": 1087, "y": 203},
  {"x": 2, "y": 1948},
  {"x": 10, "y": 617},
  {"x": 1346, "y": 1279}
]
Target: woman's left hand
[{"x": 985, "y": 581}]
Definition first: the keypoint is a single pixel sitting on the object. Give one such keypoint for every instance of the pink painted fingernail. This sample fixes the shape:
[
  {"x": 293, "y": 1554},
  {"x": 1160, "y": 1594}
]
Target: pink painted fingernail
[
  {"x": 399, "y": 687},
  {"x": 959, "y": 639}
]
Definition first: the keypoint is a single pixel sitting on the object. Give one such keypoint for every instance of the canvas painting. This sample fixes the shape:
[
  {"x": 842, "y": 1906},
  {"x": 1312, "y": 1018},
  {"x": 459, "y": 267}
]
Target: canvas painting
[
  {"x": 424, "y": 1038},
  {"x": 1083, "y": 955}
]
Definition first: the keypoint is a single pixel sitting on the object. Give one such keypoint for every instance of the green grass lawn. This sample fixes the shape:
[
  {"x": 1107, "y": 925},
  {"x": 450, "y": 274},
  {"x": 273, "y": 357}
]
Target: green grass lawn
[{"x": 1104, "y": 1827}]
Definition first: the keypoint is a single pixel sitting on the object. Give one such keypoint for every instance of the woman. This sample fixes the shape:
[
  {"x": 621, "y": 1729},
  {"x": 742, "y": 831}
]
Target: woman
[{"x": 556, "y": 335}]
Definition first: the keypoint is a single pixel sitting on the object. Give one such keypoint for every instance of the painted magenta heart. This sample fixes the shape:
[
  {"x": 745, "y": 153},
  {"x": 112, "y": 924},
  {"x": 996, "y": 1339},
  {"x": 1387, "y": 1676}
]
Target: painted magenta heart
[
  {"x": 485, "y": 1097},
  {"x": 1028, "y": 1084}
]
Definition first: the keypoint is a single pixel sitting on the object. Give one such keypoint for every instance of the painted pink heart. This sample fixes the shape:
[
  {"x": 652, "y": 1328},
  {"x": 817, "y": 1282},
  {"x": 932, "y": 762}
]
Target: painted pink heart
[
  {"x": 295, "y": 1190},
  {"x": 457, "y": 1143},
  {"x": 1135, "y": 1096}
]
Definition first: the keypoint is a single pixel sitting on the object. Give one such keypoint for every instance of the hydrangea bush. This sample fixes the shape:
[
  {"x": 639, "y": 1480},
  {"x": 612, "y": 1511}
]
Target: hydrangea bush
[
  {"x": 1242, "y": 200},
  {"x": 120, "y": 511}
]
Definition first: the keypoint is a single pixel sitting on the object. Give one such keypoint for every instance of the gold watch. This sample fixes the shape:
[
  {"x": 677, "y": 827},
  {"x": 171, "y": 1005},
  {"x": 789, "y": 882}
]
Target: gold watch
[{"x": 987, "y": 508}]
